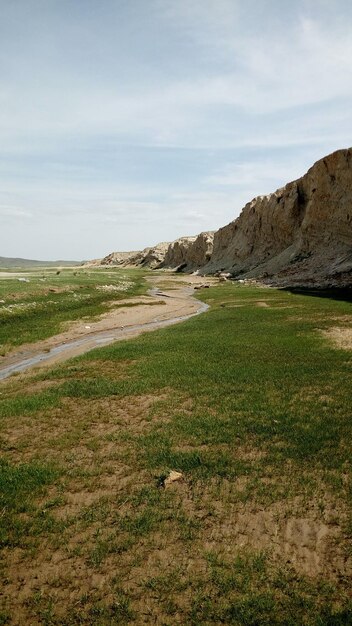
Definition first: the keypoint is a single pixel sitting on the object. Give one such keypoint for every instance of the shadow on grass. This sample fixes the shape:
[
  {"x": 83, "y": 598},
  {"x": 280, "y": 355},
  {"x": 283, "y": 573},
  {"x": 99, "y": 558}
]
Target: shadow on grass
[{"x": 335, "y": 293}]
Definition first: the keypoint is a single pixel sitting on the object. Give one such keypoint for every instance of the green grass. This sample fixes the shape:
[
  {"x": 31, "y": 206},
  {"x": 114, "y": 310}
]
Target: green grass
[
  {"x": 21, "y": 520},
  {"x": 248, "y": 591},
  {"x": 27, "y": 404},
  {"x": 265, "y": 374},
  {"x": 252, "y": 405},
  {"x": 39, "y": 308}
]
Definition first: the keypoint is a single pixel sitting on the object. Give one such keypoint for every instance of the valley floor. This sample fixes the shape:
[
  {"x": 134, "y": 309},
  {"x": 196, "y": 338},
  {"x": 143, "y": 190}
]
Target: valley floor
[
  {"x": 250, "y": 403},
  {"x": 126, "y": 318}
]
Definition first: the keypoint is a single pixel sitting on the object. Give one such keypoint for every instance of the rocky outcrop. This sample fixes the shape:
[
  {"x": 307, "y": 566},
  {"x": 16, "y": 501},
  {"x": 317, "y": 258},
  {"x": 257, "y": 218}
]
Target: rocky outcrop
[
  {"x": 200, "y": 251},
  {"x": 177, "y": 252},
  {"x": 149, "y": 257},
  {"x": 154, "y": 257},
  {"x": 190, "y": 253},
  {"x": 118, "y": 258},
  {"x": 301, "y": 233}
]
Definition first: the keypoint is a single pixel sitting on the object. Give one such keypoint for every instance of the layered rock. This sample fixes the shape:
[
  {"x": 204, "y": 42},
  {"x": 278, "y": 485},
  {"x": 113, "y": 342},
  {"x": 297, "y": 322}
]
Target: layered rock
[
  {"x": 177, "y": 252},
  {"x": 118, "y": 258},
  {"x": 150, "y": 257},
  {"x": 154, "y": 257},
  {"x": 302, "y": 232},
  {"x": 189, "y": 253},
  {"x": 200, "y": 251}
]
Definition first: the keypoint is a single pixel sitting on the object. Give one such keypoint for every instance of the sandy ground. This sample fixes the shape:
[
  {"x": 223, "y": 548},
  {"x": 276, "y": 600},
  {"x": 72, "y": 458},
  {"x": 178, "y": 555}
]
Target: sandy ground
[{"x": 157, "y": 307}]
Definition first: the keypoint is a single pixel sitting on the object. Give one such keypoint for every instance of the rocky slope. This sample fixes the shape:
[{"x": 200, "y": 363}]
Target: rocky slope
[
  {"x": 300, "y": 234},
  {"x": 117, "y": 258},
  {"x": 151, "y": 257},
  {"x": 188, "y": 253}
]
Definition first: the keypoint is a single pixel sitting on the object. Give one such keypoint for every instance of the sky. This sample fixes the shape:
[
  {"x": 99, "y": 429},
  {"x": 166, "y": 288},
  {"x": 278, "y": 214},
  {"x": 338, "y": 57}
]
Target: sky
[{"x": 124, "y": 123}]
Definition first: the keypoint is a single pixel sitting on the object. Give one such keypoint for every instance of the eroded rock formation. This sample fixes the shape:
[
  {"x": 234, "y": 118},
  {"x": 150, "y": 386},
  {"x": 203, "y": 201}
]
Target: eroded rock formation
[
  {"x": 118, "y": 258},
  {"x": 190, "y": 253},
  {"x": 301, "y": 233},
  {"x": 151, "y": 257}
]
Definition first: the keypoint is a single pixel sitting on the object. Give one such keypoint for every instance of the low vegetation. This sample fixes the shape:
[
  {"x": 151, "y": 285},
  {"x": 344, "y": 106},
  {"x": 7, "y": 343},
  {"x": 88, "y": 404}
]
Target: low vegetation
[
  {"x": 251, "y": 402},
  {"x": 36, "y": 304}
]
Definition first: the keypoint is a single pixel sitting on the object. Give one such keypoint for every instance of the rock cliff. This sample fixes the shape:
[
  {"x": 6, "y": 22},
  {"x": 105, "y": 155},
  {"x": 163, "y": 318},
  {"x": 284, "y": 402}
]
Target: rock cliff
[
  {"x": 150, "y": 257},
  {"x": 301, "y": 233},
  {"x": 117, "y": 258},
  {"x": 190, "y": 253},
  {"x": 177, "y": 252}
]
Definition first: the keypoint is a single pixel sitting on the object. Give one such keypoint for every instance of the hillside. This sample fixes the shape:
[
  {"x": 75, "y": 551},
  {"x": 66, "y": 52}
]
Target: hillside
[{"x": 12, "y": 263}]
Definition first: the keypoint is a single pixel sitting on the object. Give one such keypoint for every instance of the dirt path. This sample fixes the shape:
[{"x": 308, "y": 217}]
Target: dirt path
[{"x": 161, "y": 307}]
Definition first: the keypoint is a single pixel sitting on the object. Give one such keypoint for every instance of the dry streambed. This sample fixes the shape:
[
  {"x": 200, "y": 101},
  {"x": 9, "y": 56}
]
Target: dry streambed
[{"x": 128, "y": 319}]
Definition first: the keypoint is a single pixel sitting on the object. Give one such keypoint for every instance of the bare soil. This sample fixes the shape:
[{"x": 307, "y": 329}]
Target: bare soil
[{"x": 61, "y": 571}]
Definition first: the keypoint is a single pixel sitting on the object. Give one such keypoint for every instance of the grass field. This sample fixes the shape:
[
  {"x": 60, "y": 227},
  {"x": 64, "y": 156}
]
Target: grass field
[
  {"x": 37, "y": 303},
  {"x": 252, "y": 403}
]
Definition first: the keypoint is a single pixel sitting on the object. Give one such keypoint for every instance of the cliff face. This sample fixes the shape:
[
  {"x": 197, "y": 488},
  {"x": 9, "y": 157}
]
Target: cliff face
[
  {"x": 150, "y": 257},
  {"x": 153, "y": 257},
  {"x": 302, "y": 231},
  {"x": 190, "y": 252},
  {"x": 177, "y": 252},
  {"x": 201, "y": 250},
  {"x": 117, "y": 258}
]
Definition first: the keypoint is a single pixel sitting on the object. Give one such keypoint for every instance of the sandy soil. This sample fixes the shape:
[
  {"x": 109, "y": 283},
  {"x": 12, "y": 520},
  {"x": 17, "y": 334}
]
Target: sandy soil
[{"x": 157, "y": 307}]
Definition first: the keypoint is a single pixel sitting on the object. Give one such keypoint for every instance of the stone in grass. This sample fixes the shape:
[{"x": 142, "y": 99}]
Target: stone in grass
[{"x": 173, "y": 476}]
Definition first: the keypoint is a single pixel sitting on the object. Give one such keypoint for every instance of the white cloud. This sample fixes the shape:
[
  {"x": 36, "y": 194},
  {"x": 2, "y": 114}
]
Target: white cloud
[
  {"x": 251, "y": 83},
  {"x": 298, "y": 66},
  {"x": 253, "y": 173},
  {"x": 14, "y": 212}
]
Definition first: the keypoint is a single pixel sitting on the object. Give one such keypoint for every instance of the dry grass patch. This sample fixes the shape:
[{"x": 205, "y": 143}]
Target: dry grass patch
[{"x": 340, "y": 337}]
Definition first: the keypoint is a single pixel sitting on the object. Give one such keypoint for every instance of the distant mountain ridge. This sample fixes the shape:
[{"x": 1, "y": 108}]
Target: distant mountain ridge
[{"x": 11, "y": 263}]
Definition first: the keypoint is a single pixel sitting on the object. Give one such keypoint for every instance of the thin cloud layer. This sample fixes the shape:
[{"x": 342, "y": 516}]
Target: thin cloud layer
[{"x": 122, "y": 124}]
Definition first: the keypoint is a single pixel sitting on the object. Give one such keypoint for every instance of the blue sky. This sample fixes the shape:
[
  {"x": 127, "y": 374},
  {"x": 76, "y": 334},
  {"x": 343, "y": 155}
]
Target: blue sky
[{"x": 128, "y": 122}]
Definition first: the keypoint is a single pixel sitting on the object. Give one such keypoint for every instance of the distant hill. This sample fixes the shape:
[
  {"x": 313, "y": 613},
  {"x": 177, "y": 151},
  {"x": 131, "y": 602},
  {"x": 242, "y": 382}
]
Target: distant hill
[{"x": 9, "y": 263}]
